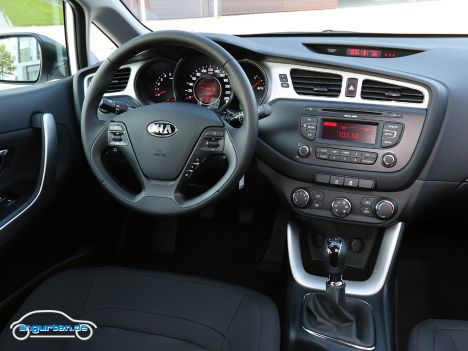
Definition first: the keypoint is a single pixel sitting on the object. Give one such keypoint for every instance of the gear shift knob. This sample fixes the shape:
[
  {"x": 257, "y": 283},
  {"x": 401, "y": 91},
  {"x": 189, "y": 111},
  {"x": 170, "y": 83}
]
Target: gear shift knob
[{"x": 334, "y": 258}]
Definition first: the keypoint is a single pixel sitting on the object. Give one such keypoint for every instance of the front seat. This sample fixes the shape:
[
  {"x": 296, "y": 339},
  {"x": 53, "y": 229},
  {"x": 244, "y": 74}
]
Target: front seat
[
  {"x": 439, "y": 335},
  {"x": 142, "y": 310}
]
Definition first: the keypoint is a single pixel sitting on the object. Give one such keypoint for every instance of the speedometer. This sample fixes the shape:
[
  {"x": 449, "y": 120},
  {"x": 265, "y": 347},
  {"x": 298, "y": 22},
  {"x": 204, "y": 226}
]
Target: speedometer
[
  {"x": 208, "y": 86},
  {"x": 200, "y": 80}
]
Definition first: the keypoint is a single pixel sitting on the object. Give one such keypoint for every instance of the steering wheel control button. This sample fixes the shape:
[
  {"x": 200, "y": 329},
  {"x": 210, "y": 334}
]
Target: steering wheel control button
[
  {"x": 336, "y": 180},
  {"x": 116, "y": 135},
  {"x": 300, "y": 198},
  {"x": 385, "y": 209},
  {"x": 391, "y": 134},
  {"x": 303, "y": 151},
  {"x": 341, "y": 207},
  {"x": 389, "y": 160},
  {"x": 213, "y": 140}
]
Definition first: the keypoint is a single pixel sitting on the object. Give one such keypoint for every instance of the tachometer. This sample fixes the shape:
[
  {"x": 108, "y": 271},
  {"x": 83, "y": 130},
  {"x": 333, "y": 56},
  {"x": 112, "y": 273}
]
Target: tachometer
[
  {"x": 257, "y": 79},
  {"x": 207, "y": 85},
  {"x": 154, "y": 82}
]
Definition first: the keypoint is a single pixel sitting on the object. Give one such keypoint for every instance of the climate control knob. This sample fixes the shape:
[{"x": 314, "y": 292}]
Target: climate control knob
[
  {"x": 385, "y": 209},
  {"x": 300, "y": 198},
  {"x": 341, "y": 207},
  {"x": 303, "y": 151},
  {"x": 389, "y": 160}
]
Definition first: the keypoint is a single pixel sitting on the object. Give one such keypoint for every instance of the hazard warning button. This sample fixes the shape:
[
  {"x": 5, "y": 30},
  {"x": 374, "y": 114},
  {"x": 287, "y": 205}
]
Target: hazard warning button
[{"x": 351, "y": 87}]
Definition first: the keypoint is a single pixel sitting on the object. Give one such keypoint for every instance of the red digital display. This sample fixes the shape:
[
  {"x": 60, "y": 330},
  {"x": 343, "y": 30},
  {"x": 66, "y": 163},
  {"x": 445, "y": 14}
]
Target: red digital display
[
  {"x": 349, "y": 132},
  {"x": 361, "y": 52}
]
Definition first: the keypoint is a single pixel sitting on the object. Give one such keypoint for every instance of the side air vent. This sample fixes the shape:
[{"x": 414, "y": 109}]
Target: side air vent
[
  {"x": 316, "y": 83},
  {"x": 120, "y": 80},
  {"x": 374, "y": 90}
]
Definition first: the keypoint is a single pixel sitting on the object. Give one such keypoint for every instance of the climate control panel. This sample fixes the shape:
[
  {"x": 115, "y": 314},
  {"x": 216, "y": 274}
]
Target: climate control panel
[{"x": 334, "y": 204}]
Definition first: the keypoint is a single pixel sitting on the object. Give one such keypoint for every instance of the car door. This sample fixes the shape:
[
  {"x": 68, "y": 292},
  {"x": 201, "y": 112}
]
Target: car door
[{"x": 38, "y": 128}]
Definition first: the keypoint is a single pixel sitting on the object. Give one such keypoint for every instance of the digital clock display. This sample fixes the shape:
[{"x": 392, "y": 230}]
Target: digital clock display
[{"x": 349, "y": 132}]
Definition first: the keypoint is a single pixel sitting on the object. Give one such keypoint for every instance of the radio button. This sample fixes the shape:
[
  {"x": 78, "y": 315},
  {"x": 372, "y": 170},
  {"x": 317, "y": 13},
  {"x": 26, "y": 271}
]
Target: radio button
[
  {"x": 393, "y": 126},
  {"x": 308, "y": 119},
  {"x": 346, "y": 152},
  {"x": 345, "y": 159},
  {"x": 356, "y": 160},
  {"x": 321, "y": 150},
  {"x": 322, "y": 156},
  {"x": 308, "y": 135},
  {"x": 334, "y": 157},
  {"x": 311, "y": 127},
  {"x": 356, "y": 154},
  {"x": 371, "y": 155},
  {"x": 389, "y": 134},
  {"x": 368, "y": 161},
  {"x": 389, "y": 160},
  {"x": 303, "y": 151},
  {"x": 335, "y": 152}
]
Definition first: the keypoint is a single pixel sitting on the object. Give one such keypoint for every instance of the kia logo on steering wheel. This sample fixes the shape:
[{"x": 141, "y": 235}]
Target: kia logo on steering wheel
[{"x": 162, "y": 129}]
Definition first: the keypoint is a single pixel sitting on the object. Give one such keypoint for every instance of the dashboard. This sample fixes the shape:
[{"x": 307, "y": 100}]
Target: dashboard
[{"x": 361, "y": 128}]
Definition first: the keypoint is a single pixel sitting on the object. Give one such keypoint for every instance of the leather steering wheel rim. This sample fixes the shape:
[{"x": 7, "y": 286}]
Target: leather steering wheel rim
[{"x": 162, "y": 197}]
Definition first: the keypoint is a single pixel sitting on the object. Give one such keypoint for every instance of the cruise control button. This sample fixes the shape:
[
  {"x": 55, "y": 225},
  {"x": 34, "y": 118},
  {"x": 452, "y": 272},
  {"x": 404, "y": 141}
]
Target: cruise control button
[
  {"x": 351, "y": 182},
  {"x": 336, "y": 180},
  {"x": 214, "y": 133}
]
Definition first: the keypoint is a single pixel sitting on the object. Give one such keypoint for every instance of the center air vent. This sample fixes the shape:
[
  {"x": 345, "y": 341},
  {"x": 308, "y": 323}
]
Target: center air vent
[
  {"x": 316, "y": 83},
  {"x": 374, "y": 90},
  {"x": 120, "y": 80}
]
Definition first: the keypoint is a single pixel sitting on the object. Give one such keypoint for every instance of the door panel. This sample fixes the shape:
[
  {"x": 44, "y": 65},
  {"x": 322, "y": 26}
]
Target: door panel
[{"x": 39, "y": 130}]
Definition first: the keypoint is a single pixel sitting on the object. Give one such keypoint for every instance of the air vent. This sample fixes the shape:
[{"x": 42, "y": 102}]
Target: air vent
[
  {"x": 120, "y": 80},
  {"x": 374, "y": 90},
  {"x": 316, "y": 83}
]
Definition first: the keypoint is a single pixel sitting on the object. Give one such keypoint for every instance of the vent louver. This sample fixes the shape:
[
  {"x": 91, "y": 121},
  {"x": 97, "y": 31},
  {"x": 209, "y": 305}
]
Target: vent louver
[
  {"x": 119, "y": 82},
  {"x": 374, "y": 90},
  {"x": 316, "y": 83}
]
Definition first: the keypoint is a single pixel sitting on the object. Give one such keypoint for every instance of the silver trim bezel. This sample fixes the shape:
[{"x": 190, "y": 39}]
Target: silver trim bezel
[
  {"x": 372, "y": 286},
  {"x": 274, "y": 69}
]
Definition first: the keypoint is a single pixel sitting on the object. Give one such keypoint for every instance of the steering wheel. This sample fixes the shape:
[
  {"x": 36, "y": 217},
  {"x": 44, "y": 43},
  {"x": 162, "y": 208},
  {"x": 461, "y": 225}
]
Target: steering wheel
[{"x": 163, "y": 143}]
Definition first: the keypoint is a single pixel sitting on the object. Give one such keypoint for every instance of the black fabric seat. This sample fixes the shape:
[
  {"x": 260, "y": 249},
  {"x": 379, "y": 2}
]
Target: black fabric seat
[
  {"x": 140, "y": 310},
  {"x": 439, "y": 335}
]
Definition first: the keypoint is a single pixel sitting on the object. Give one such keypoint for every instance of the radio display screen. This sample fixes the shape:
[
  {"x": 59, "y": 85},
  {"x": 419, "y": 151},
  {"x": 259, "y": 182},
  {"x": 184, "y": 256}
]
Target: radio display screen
[{"x": 349, "y": 132}]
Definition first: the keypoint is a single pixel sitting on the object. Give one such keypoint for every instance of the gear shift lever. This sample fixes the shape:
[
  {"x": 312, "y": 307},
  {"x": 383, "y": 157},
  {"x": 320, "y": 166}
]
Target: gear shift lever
[
  {"x": 334, "y": 258},
  {"x": 331, "y": 314}
]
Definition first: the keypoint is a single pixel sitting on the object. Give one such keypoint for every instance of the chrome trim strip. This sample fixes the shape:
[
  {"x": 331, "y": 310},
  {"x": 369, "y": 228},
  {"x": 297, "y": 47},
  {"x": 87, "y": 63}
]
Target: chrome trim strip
[
  {"x": 274, "y": 69},
  {"x": 48, "y": 133},
  {"x": 369, "y": 287}
]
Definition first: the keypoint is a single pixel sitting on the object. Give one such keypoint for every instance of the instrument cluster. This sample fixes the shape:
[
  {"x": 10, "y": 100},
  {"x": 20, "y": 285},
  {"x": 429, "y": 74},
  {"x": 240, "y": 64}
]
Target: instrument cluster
[{"x": 198, "y": 80}]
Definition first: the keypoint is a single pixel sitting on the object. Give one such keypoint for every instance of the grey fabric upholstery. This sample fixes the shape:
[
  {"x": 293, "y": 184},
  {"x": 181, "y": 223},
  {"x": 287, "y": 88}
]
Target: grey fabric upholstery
[
  {"x": 439, "y": 335},
  {"x": 140, "y": 310}
]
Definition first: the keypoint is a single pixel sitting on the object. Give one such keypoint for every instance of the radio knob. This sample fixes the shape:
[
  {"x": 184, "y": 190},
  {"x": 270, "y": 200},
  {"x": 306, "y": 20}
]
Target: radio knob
[
  {"x": 300, "y": 198},
  {"x": 385, "y": 209},
  {"x": 341, "y": 207},
  {"x": 303, "y": 151},
  {"x": 389, "y": 160}
]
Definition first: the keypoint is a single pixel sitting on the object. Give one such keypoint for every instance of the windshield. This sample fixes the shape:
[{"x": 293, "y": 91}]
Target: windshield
[{"x": 279, "y": 16}]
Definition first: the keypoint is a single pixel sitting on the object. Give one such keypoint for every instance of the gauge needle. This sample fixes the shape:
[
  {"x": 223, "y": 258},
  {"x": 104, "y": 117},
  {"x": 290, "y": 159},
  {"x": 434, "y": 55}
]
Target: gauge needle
[
  {"x": 256, "y": 83},
  {"x": 161, "y": 93}
]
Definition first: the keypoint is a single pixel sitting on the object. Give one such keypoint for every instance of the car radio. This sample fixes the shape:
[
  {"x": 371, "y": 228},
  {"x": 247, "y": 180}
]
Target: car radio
[{"x": 370, "y": 139}]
